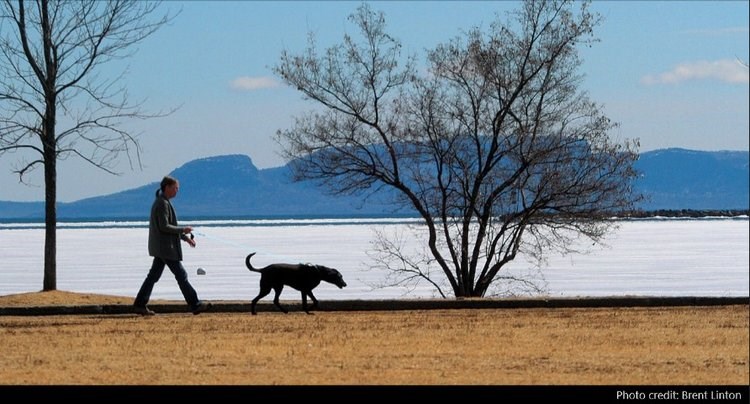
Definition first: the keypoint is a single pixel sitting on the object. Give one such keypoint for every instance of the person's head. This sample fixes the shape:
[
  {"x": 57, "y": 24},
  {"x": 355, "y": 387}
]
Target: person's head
[{"x": 169, "y": 187}]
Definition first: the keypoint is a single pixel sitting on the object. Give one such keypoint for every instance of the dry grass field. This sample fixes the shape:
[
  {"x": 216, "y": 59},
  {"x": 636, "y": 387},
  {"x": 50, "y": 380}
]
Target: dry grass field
[{"x": 562, "y": 346}]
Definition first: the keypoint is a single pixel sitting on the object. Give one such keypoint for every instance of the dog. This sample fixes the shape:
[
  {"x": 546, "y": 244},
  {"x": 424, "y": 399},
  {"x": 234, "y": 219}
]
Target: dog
[{"x": 303, "y": 277}]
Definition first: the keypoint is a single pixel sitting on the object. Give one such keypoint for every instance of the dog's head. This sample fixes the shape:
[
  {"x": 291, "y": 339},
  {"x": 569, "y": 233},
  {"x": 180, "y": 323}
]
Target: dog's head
[{"x": 331, "y": 275}]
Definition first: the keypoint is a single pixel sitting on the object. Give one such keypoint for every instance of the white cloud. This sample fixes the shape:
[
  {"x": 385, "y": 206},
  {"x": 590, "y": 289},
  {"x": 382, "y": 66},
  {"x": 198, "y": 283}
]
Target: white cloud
[
  {"x": 246, "y": 83},
  {"x": 726, "y": 70}
]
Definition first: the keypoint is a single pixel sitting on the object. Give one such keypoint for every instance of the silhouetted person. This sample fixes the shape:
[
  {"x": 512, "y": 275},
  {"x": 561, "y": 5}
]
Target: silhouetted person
[{"x": 164, "y": 237}]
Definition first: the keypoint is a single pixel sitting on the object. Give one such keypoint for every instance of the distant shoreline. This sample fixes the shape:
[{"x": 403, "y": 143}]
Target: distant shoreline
[
  {"x": 640, "y": 214},
  {"x": 696, "y": 213}
]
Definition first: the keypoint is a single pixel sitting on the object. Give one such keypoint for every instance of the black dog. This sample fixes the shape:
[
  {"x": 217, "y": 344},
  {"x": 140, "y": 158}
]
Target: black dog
[{"x": 303, "y": 277}]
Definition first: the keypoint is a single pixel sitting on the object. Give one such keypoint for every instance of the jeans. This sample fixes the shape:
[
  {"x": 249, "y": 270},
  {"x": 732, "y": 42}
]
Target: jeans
[{"x": 157, "y": 268}]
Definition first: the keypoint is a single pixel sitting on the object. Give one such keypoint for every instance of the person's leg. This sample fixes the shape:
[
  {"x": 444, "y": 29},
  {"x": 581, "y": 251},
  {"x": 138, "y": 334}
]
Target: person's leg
[
  {"x": 144, "y": 294},
  {"x": 190, "y": 295}
]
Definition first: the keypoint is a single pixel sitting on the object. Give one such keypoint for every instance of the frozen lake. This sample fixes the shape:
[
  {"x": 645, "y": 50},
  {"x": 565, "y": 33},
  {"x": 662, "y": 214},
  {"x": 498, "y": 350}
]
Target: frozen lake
[{"x": 706, "y": 257}]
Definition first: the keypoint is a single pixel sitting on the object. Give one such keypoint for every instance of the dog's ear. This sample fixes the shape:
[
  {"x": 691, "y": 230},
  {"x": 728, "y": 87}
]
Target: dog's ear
[{"x": 328, "y": 271}]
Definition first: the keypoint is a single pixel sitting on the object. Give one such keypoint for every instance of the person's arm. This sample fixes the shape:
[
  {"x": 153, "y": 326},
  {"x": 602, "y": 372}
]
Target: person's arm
[{"x": 162, "y": 219}]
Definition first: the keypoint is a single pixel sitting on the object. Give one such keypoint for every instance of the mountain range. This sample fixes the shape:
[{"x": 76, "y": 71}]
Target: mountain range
[{"x": 231, "y": 186}]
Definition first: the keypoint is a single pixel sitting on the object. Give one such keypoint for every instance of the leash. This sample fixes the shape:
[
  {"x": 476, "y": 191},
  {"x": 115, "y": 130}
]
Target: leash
[
  {"x": 237, "y": 245},
  {"x": 221, "y": 240}
]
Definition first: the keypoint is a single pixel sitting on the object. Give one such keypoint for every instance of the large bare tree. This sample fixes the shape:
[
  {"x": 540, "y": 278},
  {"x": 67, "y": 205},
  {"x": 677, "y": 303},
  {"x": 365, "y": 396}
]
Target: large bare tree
[
  {"x": 494, "y": 144},
  {"x": 53, "y": 102}
]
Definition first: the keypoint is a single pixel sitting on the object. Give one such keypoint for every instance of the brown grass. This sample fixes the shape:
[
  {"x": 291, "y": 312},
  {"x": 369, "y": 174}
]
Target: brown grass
[
  {"x": 622, "y": 346},
  {"x": 62, "y": 298}
]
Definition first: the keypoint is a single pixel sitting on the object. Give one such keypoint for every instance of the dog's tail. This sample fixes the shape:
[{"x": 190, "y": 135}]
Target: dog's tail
[{"x": 249, "y": 265}]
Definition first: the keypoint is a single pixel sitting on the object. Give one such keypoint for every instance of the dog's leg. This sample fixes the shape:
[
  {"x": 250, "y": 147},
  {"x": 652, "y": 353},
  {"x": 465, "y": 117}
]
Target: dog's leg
[
  {"x": 276, "y": 298},
  {"x": 314, "y": 300},
  {"x": 264, "y": 290},
  {"x": 304, "y": 302}
]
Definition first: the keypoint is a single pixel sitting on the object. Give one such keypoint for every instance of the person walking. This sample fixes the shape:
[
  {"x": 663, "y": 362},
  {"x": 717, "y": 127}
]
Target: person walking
[{"x": 164, "y": 237}]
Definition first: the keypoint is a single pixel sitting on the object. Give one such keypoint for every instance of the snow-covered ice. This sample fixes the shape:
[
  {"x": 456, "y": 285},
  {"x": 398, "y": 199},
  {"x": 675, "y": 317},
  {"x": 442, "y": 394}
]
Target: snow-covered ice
[{"x": 668, "y": 257}]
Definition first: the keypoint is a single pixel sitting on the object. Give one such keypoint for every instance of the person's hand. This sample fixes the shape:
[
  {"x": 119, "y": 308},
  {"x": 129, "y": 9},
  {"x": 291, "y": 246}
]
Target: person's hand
[
  {"x": 187, "y": 230},
  {"x": 189, "y": 239}
]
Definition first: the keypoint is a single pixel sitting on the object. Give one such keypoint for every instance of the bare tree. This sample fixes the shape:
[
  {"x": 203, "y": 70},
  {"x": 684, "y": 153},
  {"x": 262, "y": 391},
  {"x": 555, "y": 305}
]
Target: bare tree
[
  {"x": 53, "y": 103},
  {"x": 496, "y": 147}
]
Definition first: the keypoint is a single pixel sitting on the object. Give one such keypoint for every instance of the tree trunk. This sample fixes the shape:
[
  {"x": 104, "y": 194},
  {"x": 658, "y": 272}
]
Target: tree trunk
[
  {"x": 50, "y": 219},
  {"x": 50, "y": 194},
  {"x": 469, "y": 293},
  {"x": 468, "y": 288}
]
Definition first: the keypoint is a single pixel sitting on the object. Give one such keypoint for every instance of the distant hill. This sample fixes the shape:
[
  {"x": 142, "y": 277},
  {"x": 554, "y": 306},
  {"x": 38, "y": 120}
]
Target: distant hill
[
  {"x": 688, "y": 179},
  {"x": 219, "y": 186},
  {"x": 231, "y": 186}
]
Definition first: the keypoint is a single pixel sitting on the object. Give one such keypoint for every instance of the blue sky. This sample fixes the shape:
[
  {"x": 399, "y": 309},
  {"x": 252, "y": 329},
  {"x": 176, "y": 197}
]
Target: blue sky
[{"x": 668, "y": 72}]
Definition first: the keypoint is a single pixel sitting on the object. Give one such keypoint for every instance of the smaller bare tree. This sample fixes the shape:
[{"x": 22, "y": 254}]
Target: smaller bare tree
[{"x": 53, "y": 102}]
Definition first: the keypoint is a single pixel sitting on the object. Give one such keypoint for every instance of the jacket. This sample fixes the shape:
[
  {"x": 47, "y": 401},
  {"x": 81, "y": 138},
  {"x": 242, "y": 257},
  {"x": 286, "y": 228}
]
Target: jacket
[{"x": 163, "y": 232}]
